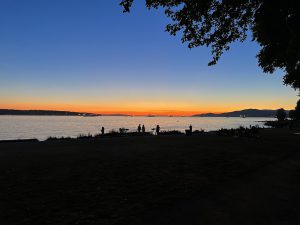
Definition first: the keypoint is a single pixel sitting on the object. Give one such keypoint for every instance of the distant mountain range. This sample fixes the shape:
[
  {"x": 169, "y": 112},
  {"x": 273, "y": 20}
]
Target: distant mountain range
[
  {"x": 42, "y": 113},
  {"x": 51, "y": 113},
  {"x": 242, "y": 113}
]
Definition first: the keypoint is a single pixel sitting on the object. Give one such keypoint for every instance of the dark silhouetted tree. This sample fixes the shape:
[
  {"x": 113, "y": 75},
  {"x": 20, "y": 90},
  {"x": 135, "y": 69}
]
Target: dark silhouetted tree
[
  {"x": 295, "y": 114},
  {"x": 297, "y": 110},
  {"x": 217, "y": 23},
  {"x": 292, "y": 114},
  {"x": 281, "y": 114}
]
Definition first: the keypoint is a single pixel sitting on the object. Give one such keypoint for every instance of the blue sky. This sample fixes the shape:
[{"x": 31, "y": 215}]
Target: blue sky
[{"x": 88, "y": 55}]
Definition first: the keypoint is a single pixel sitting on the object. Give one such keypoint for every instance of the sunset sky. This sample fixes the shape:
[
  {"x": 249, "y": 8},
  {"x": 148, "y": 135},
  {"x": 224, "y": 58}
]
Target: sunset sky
[{"x": 88, "y": 56}]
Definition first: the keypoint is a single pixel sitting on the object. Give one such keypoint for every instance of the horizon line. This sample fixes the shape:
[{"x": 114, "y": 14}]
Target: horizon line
[{"x": 148, "y": 113}]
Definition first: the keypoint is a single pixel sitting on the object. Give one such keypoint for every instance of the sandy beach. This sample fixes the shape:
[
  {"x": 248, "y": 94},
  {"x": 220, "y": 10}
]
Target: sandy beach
[{"x": 204, "y": 179}]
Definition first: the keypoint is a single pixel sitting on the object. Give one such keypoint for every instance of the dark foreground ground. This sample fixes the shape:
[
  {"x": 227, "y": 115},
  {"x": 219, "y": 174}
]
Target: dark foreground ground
[{"x": 152, "y": 180}]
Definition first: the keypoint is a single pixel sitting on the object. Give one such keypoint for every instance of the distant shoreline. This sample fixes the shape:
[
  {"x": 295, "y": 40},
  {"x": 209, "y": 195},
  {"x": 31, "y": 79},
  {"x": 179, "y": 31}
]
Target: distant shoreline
[
  {"x": 15, "y": 112},
  {"x": 268, "y": 113}
]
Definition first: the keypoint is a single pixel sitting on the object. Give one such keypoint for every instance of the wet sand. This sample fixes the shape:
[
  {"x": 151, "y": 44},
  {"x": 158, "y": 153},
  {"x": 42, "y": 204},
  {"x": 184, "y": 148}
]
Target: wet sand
[{"x": 203, "y": 179}]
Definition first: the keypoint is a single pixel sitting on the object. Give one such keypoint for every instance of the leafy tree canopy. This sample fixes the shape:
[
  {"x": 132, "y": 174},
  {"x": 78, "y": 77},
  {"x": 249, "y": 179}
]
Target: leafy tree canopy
[
  {"x": 281, "y": 114},
  {"x": 292, "y": 114},
  {"x": 275, "y": 25},
  {"x": 297, "y": 110}
]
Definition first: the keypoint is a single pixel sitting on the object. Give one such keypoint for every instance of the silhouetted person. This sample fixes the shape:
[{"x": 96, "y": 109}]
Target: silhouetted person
[
  {"x": 139, "y": 128},
  {"x": 102, "y": 130},
  {"x": 189, "y": 131},
  {"x": 157, "y": 129},
  {"x": 143, "y": 128}
]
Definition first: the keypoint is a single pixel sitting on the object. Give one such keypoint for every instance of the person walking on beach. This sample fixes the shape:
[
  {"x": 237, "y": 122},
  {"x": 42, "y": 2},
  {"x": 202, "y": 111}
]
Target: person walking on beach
[
  {"x": 139, "y": 128},
  {"x": 143, "y": 128},
  {"x": 102, "y": 130},
  {"x": 157, "y": 129}
]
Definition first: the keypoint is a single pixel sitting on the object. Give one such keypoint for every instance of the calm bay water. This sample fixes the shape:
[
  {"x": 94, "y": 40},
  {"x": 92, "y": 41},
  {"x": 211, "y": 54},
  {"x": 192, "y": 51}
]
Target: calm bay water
[{"x": 41, "y": 127}]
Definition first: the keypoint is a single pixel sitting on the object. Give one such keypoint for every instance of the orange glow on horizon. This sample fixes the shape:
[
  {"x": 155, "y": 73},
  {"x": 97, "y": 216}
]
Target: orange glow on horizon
[
  {"x": 113, "y": 111},
  {"x": 141, "y": 108},
  {"x": 141, "y": 111}
]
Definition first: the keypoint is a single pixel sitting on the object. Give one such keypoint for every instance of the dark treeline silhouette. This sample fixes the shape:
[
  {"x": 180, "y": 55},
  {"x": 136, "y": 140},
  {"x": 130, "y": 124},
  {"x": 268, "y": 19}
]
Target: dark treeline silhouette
[
  {"x": 295, "y": 114},
  {"x": 284, "y": 119},
  {"x": 295, "y": 117},
  {"x": 281, "y": 114},
  {"x": 41, "y": 112}
]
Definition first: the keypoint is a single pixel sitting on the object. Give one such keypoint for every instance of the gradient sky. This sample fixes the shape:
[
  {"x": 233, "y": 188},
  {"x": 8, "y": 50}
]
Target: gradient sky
[{"x": 86, "y": 55}]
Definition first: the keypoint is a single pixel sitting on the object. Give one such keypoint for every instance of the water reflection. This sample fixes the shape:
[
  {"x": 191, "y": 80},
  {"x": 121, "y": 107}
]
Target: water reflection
[{"x": 41, "y": 127}]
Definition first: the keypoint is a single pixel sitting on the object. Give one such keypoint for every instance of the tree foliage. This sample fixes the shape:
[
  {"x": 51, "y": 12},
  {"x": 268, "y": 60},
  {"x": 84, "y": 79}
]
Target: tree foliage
[
  {"x": 281, "y": 114},
  {"x": 297, "y": 111},
  {"x": 295, "y": 114},
  {"x": 275, "y": 25},
  {"x": 292, "y": 114}
]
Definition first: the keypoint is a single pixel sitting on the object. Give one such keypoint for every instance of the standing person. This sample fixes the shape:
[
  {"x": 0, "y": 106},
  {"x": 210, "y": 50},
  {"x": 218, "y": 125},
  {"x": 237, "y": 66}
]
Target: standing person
[
  {"x": 143, "y": 128},
  {"x": 157, "y": 129},
  {"x": 191, "y": 128},
  {"x": 102, "y": 130},
  {"x": 139, "y": 128}
]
